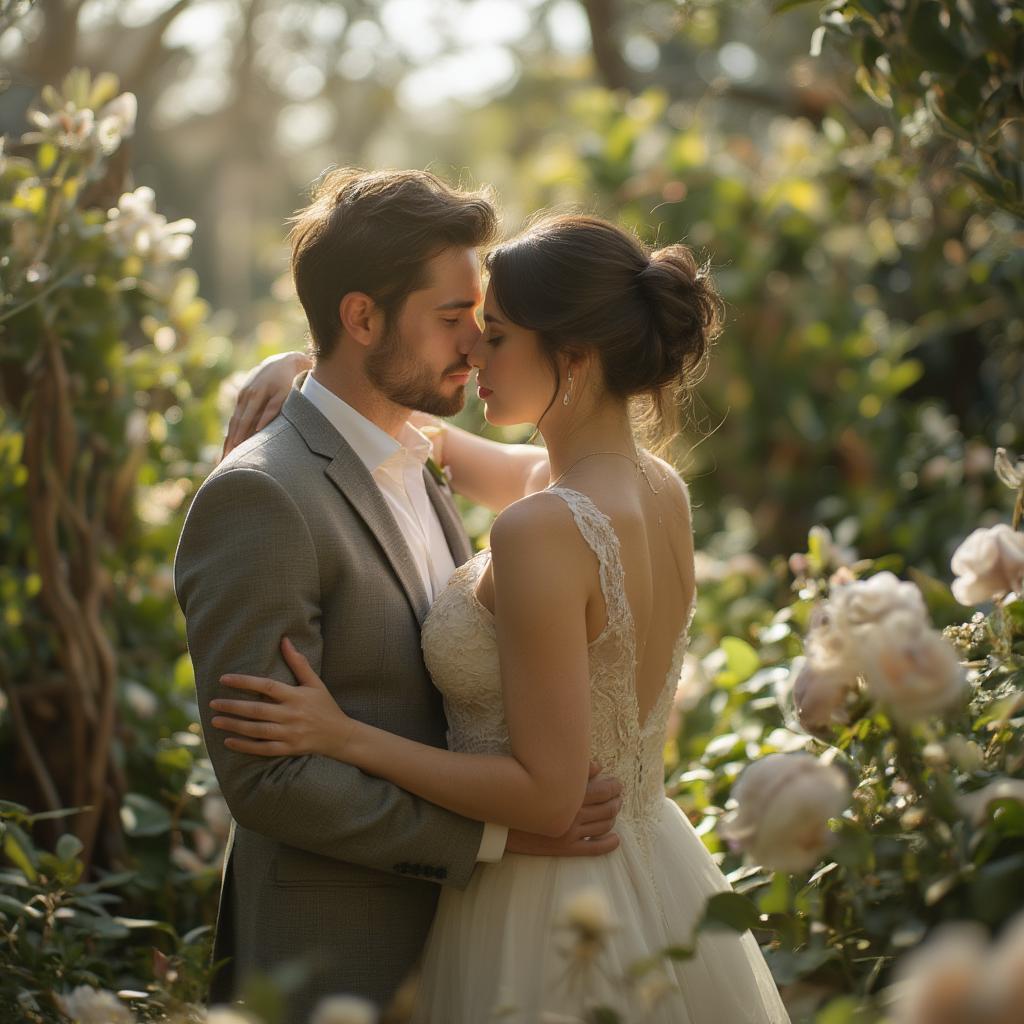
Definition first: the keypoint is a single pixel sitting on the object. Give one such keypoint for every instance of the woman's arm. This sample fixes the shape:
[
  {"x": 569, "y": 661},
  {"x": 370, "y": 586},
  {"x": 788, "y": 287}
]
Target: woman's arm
[
  {"x": 541, "y": 581},
  {"x": 487, "y": 472},
  {"x": 262, "y": 395}
]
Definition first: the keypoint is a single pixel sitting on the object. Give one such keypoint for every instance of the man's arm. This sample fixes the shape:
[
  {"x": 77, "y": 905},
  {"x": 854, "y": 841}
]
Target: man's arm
[{"x": 246, "y": 575}]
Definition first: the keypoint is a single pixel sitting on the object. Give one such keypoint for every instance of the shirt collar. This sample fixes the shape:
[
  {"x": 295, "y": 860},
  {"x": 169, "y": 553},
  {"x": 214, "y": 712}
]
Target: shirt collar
[{"x": 373, "y": 445}]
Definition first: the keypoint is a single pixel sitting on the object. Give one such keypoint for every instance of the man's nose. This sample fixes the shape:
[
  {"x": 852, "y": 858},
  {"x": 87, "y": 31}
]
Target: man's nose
[{"x": 468, "y": 341}]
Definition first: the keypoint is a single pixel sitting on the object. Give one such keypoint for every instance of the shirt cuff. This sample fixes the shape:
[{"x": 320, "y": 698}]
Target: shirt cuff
[{"x": 492, "y": 843}]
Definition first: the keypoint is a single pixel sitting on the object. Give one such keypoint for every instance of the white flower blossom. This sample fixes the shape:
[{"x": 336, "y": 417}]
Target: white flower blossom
[
  {"x": 85, "y": 1005},
  {"x": 116, "y": 121},
  {"x": 137, "y": 228},
  {"x": 958, "y": 977},
  {"x": 863, "y": 604},
  {"x": 1011, "y": 474},
  {"x": 784, "y": 803},
  {"x": 68, "y": 127},
  {"x": 988, "y": 564},
  {"x": 915, "y": 674},
  {"x": 820, "y": 691},
  {"x": 589, "y": 913},
  {"x": 344, "y": 1010}
]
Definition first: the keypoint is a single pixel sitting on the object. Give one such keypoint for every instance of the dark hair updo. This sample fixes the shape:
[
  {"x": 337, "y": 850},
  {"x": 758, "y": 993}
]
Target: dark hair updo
[{"x": 585, "y": 285}]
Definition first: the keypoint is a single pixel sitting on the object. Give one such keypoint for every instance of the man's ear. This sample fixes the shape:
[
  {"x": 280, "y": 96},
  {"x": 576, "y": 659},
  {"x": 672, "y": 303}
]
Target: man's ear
[{"x": 361, "y": 317}]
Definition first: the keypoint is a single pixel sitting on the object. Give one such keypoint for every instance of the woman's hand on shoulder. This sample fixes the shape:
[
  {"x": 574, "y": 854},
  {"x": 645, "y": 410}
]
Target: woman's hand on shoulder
[{"x": 262, "y": 396}]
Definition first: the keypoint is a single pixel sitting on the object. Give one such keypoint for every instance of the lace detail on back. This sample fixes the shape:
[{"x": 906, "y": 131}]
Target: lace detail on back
[{"x": 460, "y": 649}]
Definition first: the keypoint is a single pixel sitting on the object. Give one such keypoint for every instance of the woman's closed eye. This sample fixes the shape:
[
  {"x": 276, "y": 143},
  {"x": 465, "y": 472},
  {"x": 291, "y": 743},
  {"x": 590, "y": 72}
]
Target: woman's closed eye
[{"x": 494, "y": 338}]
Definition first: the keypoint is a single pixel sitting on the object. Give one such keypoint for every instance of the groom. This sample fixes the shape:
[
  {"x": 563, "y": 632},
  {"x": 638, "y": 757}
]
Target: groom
[{"x": 327, "y": 527}]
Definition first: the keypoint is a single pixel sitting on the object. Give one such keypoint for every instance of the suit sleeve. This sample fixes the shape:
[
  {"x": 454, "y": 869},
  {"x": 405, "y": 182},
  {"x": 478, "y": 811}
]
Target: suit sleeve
[{"x": 246, "y": 575}]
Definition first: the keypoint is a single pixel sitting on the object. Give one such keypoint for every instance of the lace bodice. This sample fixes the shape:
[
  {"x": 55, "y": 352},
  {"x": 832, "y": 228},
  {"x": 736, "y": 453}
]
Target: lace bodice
[{"x": 461, "y": 652}]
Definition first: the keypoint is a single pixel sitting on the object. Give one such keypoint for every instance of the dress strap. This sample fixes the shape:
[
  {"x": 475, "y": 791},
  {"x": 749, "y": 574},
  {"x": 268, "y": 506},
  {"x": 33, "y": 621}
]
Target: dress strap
[{"x": 597, "y": 530}]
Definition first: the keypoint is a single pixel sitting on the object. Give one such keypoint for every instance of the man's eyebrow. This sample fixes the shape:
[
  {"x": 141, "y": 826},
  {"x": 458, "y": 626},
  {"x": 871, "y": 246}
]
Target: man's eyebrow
[{"x": 458, "y": 304}]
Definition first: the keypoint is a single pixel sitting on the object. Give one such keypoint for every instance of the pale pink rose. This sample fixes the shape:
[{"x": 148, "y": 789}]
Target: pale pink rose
[
  {"x": 988, "y": 564},
  {"x": 820, "y": 691},
  {"x": 940, "y": 982},
  {"x": 784, "y": 803},
  {"x": 914, "y": 673},
  {"x": 863, "y": 604},
  {"x": 958, "y": 977}
]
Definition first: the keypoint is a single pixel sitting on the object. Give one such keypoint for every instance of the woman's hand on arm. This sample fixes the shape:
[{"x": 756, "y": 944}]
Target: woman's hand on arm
[
  {"x": 262, "y": 395},
  {"x": 541, "y": 593},
  {"x": 292, "y": 721},
  {"x": 489, "y": 473}
]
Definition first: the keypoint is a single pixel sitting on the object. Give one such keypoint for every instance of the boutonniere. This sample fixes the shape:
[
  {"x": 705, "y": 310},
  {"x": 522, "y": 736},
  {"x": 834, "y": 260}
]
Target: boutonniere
[{"x": 442, "y": 474}]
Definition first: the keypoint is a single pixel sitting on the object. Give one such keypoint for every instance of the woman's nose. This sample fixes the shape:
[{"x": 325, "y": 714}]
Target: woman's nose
[{"x": 475, "y": 355}]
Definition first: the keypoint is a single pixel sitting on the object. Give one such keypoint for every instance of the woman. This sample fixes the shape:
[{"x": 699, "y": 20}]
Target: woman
[{"x": 560, "y": 644}]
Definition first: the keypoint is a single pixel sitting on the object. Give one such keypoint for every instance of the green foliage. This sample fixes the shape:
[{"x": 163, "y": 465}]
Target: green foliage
[
  {"x": 914, "y": 850},
  {"x": 59, "y": 931},
  {"x": 948, "y": 70},
  {"x": 858, "y": 287},
  {"x": 104, "y": 345}
]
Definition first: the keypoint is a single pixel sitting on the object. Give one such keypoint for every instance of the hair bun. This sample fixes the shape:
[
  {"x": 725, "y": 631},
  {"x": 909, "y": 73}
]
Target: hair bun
[{"x": 686, "y": 311}]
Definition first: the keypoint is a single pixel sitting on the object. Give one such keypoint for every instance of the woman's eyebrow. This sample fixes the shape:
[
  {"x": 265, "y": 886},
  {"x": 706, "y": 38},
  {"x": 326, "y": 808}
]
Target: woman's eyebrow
[{"x": 489, "y": 318}]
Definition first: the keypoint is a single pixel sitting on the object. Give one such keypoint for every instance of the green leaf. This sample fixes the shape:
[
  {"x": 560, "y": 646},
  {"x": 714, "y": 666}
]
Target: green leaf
[
  {"x": 143, "y": 816},
  {"x": 730, "y": 910},
  {"x": 741, "y": 659},
  {"x": 777, "y": 898},
  {"x": 20, "y": 851}
]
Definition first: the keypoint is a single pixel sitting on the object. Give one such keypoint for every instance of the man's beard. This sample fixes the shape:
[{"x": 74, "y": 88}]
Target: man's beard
[{"x": 392, "y": 367}]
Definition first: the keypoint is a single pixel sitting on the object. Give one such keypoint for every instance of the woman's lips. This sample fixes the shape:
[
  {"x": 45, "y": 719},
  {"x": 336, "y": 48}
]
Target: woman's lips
[{"x": 484, "y": 392}]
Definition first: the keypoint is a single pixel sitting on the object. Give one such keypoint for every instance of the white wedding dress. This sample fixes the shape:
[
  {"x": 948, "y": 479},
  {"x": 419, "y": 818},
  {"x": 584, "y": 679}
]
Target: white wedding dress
[{"x": 499, "y": 950}]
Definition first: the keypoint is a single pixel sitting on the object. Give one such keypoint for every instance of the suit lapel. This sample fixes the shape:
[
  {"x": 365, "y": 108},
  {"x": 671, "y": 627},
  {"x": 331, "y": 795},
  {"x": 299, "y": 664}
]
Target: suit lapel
[
  {"x": 451, "y": 524},
  {"x": 349, "y": 474}
]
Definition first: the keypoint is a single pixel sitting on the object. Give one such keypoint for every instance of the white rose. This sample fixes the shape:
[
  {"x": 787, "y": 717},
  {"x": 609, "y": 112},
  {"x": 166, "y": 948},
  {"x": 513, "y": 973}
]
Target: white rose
[
  {"x": 975, "y": 805},
  {"x": 863, "y": 604},
  {"x": 942, "y": 979},
  {"x": 958, "y": 977},
  {"x": 1006, "y": 972},
  {"x": 820, "y": 690},
  {"x": 588, "y": 912},
  {"x": 784, "y": 802},
  {"x": 86, "y": 1005},
  {"x": 988, "y": 564},
  {"x": 915, "y": 674},
  {"x": 344, "y": 1010}
]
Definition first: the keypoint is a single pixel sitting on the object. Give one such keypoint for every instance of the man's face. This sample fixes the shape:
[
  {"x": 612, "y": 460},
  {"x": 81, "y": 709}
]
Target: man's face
[{"x": 420, "y": 361}]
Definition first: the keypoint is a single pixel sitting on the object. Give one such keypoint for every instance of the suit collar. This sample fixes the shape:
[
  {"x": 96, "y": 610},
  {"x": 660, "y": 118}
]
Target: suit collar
[
  {"x": 447, "y": 514},
  {"x": 351, "y": 477}
]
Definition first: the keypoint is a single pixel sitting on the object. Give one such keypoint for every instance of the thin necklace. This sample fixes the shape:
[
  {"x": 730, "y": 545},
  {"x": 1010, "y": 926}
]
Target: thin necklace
[{"x": 640, "y": 468}]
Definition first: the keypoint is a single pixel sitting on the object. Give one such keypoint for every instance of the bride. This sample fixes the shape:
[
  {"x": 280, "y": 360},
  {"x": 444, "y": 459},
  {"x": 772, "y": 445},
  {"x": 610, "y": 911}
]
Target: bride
[{"x": 560, "y": 644}]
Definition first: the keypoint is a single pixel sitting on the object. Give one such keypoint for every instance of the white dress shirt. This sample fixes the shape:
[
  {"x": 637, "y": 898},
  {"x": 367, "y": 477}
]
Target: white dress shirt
[{"x": 397, "y": 468}]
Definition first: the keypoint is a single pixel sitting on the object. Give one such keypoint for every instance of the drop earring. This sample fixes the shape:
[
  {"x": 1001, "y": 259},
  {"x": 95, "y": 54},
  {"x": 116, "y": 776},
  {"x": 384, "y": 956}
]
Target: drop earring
[{"x": 568, "y": 390}]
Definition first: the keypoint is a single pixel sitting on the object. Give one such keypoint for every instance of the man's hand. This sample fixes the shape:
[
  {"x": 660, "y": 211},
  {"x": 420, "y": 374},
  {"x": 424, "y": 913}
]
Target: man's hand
[{"x": 590, "y": 835}]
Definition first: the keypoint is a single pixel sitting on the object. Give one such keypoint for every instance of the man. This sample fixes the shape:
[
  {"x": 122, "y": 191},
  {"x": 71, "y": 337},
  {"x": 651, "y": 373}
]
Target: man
[{"x": 326, "y": 527}]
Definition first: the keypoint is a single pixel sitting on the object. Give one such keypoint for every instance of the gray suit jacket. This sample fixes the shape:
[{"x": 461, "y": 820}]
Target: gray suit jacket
[{"x": 290, "y": 536}]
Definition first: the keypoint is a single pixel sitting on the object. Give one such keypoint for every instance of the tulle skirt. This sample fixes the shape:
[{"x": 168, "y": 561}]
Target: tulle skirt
[{"x": 501, "y": 949}]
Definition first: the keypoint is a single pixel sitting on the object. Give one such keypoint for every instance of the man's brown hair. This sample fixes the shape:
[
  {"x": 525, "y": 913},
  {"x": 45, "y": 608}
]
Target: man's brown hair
[{"x": 375, "y": 232}]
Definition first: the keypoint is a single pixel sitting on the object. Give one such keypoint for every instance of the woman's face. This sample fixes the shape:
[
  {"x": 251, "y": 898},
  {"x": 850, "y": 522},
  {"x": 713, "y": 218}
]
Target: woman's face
[{"x": 515, "y": 380}]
